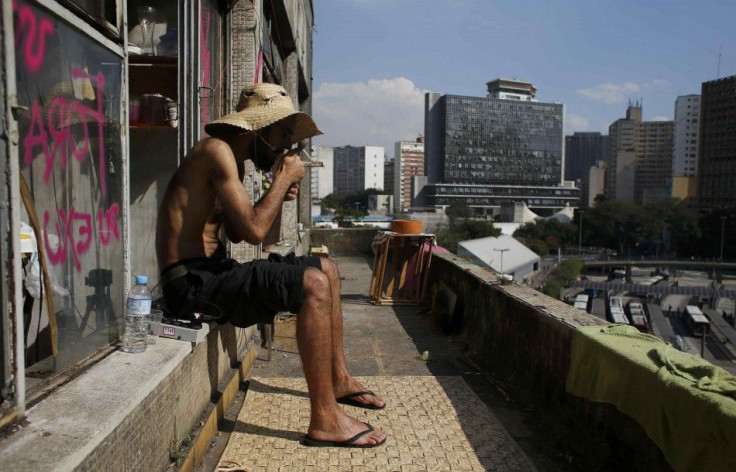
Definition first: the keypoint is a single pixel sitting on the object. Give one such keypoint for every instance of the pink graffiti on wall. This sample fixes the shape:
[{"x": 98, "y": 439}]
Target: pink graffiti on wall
[
  {"x": 50, "y": 135},
  {"x": 32, "y": 32},
  {"x": 60, "y": 115},
  {"x": 76, "y": 231}
]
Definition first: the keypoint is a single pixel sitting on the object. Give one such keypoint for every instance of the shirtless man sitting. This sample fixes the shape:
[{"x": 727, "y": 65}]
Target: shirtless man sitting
[{"x": 206, "y": 194}]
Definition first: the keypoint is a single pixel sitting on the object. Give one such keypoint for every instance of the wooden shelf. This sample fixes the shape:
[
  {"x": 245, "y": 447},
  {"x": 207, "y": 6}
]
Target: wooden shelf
[
  {"x": 150, "y": 126},
  {"x": 153, "y": 74},
  {"x": 147, "y": 60}
]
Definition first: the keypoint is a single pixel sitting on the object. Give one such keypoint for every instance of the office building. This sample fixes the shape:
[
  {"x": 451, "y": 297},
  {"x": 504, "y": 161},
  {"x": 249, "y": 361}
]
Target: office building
[
  {"x": 388, "y": 176},
  {"x": 582, "y": 151},
  {"x": 685, "y": 147},
  {"x": 357, "y": 168},
  {"x": 717, "y": 144},
  {"x": 488, "y": 151},
  {"x": 594, "y": 184},
  {"x": 640, "y": 158},
  {"x": 322, "y": 177},
  {"x": 409, "y": 163},
  {"x": 511, "y": 89}
]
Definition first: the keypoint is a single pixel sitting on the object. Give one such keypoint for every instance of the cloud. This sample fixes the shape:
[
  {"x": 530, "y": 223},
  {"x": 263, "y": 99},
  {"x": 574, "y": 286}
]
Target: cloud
[
  {"x": 612, "y": 94},
  {"x": 369, "y": 113},
  {"x": 661, "y": 118},
  {"x": 609, "y": 93},
  {"x": 658, "y": 83},
  {"x": 576, "y": 123}
]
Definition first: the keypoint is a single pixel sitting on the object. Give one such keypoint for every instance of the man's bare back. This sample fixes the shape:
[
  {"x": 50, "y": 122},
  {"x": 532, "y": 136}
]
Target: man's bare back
[
  {"x": 188, "y": 224},
  {"x": 206, "y": 194}
]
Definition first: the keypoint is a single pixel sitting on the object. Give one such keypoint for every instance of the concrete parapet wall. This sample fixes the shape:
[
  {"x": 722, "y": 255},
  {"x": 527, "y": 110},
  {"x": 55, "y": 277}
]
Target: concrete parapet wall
[
  {"x": 529, "y": 334},
  {"x": 345, "y": 241}
]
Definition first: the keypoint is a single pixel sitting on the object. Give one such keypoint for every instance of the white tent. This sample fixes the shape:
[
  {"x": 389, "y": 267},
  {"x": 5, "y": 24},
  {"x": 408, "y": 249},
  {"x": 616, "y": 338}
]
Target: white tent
[{"x": 504, "y": 255}]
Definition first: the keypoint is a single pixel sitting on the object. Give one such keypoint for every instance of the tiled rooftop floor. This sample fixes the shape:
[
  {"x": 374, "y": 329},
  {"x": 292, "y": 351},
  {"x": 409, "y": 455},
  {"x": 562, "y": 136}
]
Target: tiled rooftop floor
[
  {"x": 438, "y": 413},
  {"x": 435, "y": 424}
]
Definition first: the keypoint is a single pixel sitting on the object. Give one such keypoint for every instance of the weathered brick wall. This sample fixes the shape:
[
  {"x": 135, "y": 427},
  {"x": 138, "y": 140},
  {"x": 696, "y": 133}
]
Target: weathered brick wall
[
  {"x": 143, "y": 439},
  {"x": 246, "y": 34}
]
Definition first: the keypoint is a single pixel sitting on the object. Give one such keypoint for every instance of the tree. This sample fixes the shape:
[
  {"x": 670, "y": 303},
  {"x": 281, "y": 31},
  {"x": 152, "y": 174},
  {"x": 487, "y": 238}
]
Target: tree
[
  {"x": 448, "y": 237},
  {"x": 458, "y": 210},
  {"x": 552, "y": 233},
  {"x": 567, "y": 271},
  {"x": 351, "y": 205}
]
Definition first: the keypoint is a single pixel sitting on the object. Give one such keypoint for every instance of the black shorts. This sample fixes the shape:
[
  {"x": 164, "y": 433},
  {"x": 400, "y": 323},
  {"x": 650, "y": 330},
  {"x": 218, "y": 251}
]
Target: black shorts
[{"x": 239, "y": 293}]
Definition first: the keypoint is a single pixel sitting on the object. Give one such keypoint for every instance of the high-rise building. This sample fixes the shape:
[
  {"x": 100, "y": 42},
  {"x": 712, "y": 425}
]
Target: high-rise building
[
  {"x": 511, "y": 89},
  {"x": 685, "y": 148},
  {"x": 388, "y": 176},
  {"x": 409, "y": 163},
  {"x": 717, "y": 144},
  {"x": 639, "y": 157},
  {"x": 322, "y": 177},
  {"x": 357, "y": 168},
  {"x": 489, "y": 151},
  {"x": 594, "y": 184},
  {"x": 582, "y": 151}
]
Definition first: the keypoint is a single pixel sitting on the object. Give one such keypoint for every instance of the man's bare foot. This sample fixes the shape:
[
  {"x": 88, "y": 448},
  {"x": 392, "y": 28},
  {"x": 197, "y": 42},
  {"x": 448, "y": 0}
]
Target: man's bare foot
[
  {"x": 351, "y": 392},
  {"x": 342, "y": 429}
]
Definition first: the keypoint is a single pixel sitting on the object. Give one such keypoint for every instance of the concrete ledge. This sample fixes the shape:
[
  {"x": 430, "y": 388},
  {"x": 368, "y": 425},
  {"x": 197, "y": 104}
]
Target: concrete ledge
[
  {"x": 65, "y": 428},
  {"x": 513, "y": 328},
  {"x": 130, "y": 411},
  {"x": 207, "y": 432}
]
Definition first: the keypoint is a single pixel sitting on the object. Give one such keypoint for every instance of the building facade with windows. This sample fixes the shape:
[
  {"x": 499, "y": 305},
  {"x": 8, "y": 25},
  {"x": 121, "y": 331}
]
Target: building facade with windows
[
  {"x": 409, "y": 163},
  {"x": 490, "y": 151},
  {"x": 322, "y": 177},
  {"x": 106, "y": 99},
  {"x": 717, "y": 144},
  {"x": 685, "y": 147},
  {"x": 357, "y": 168},
  {"x": 582, "y": 151},
  {"x": 640, "y": 158}
]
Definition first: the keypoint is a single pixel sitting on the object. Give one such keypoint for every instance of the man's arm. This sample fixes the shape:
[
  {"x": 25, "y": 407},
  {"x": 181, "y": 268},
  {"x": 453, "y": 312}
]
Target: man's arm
[{"x": 243, "y": 220}]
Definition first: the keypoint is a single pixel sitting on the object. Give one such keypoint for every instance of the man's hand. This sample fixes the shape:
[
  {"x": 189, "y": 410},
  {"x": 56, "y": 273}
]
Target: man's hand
[
  {"x": 292, "y": 193},
  {"x": 289, "y": 167}
]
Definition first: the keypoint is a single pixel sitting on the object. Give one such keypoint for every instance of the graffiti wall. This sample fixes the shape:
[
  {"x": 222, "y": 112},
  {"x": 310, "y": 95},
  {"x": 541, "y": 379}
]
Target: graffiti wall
[{"x": 69, "y": 94}]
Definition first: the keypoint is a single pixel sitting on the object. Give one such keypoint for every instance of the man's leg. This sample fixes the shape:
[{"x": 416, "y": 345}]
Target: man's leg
[
  {"x": 343, "y": 382},
  {"x": 314, "y": 337}
]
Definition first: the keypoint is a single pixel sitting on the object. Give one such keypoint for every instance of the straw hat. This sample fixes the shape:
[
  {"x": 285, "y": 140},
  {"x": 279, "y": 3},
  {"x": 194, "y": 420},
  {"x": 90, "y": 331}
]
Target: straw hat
[{"x": 261, "y": 105}]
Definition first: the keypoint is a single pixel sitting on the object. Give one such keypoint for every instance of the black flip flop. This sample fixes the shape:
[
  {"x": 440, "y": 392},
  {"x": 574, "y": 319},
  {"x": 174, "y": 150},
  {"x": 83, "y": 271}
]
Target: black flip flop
[
  {"x": 307, "y": 441},
  {"x": 349, "y": 400}
]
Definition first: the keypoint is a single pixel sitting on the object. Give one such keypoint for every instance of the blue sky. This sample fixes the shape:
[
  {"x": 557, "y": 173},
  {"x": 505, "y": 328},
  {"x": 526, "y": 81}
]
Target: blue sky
[{"x": 375, "y": 59}]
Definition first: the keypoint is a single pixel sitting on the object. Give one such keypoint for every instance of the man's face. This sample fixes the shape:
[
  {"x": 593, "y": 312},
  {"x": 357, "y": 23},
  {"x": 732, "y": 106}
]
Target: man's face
[{"x": 270, "y": 143}]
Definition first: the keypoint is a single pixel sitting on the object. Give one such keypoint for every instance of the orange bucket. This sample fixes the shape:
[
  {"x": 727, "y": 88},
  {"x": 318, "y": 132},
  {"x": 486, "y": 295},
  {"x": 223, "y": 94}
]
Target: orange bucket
[{"x": 406, "y": 226}]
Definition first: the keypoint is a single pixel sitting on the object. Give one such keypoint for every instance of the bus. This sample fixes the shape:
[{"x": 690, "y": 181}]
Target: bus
[
  {"x": 581, "y": 302},
  {"x": 638, "y": 317},
  {"x": 616, "y": 310},
  {"x": 696, "y": 321}
]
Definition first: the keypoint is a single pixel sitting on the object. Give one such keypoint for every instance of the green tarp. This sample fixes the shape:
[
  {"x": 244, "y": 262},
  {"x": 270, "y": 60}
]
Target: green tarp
[{"x": 686, "y": 405}]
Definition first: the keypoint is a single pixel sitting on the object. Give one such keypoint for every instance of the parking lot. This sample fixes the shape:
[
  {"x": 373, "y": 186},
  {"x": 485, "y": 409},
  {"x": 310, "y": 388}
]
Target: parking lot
[{"x": 667, "y": 315}]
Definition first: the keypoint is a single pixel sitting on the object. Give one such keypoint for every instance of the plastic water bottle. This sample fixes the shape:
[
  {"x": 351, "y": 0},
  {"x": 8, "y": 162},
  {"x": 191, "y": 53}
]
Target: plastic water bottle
[{"x": 137, "y": 316}]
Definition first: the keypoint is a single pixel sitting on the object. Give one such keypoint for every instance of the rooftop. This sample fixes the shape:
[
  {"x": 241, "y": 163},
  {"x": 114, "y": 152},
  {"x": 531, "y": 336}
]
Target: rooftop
[{"x": 443, "y": 412}]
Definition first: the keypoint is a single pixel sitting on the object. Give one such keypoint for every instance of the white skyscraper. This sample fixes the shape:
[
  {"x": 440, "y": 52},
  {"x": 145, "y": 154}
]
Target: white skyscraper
[
  {"x": 685, "y": 149},
  {"x": 322, "y": 177}
]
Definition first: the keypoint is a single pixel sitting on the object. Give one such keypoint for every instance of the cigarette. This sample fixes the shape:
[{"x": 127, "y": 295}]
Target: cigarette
[{"x": 309, "y": 162}]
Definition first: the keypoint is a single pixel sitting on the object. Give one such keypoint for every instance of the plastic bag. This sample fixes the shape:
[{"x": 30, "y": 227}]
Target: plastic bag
[{"x": 32, "y": 279}]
